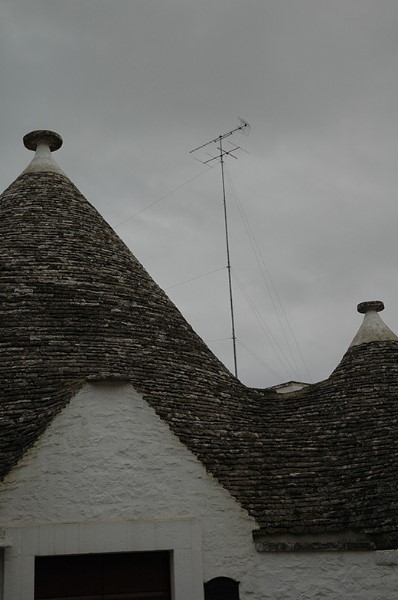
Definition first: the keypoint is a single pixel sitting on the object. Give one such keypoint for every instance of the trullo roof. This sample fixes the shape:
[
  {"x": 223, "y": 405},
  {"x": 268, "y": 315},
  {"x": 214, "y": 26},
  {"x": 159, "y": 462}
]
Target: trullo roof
[{"x": 76, "y": 304}]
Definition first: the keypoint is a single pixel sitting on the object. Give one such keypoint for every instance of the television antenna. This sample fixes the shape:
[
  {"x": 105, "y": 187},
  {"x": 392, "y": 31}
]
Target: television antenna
[{"x": 208, "y": 159}]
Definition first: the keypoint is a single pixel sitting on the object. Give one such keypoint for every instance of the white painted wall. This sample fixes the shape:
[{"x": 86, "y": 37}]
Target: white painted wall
[{"x": 108, "y": 475}]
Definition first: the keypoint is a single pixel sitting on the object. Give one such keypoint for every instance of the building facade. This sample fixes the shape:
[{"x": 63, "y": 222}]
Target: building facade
[{"x": 134, "y": 465}]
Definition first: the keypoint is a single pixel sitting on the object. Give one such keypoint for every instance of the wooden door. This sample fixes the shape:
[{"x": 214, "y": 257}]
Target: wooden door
[{"x": 116, "y": 576}]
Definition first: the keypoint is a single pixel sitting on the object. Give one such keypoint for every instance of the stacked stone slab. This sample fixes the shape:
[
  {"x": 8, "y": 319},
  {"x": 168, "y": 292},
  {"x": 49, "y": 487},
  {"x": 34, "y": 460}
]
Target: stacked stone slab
[{"x": 76, "y": 305}]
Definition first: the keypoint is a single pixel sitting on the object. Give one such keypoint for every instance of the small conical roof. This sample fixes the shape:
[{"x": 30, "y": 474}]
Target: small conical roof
[{"x": 373, "y": 328}]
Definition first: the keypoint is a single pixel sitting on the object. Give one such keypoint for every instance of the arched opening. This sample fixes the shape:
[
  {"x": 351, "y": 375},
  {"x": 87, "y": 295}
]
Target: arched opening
[{"x": 222, "y": 588}]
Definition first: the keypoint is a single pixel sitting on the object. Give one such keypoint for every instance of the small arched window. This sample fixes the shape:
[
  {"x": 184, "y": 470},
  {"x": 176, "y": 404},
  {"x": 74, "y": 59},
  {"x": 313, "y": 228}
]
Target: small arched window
[{"x": 222, "y": 588}]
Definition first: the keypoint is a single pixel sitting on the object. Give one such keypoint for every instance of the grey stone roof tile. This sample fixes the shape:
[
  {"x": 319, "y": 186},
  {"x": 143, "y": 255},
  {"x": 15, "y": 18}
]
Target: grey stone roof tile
[{"x": 76, "y": 305}]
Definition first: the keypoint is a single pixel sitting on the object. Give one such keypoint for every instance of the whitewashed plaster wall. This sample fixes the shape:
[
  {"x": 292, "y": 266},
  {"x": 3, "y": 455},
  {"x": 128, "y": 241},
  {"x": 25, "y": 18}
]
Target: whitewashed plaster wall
[{"x": 108, "y": 463}]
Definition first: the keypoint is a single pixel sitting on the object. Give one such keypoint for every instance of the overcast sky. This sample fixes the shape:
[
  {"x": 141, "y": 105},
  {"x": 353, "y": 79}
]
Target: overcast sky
[{"x": 133, "y": 85}]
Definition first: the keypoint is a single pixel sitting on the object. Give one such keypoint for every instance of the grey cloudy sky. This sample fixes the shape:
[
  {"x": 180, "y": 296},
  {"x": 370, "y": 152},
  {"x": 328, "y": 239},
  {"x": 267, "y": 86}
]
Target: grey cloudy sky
[{"x": 133, "y": 85}]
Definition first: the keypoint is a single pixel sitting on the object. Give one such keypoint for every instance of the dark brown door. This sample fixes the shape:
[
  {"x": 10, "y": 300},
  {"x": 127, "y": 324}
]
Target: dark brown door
[{"x": 119, "y": 576}]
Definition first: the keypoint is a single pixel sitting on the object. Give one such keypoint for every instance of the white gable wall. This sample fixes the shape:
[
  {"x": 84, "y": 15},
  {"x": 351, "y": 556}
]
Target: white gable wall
[{"x": 108, "y": 475}]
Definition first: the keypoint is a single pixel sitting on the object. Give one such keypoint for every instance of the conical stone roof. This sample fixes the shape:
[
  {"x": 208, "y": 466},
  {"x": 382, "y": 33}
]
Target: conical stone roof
[{"x": 75, "y": 304}]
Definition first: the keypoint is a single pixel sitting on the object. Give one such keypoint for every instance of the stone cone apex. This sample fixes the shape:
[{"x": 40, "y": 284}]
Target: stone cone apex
[
  {"x": 43, "y": 142},
  {"x": 373, "y": 328}
]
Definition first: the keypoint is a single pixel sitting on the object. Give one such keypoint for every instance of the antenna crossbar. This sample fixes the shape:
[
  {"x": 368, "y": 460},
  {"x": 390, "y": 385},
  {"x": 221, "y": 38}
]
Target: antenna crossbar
[{"x": 244, "y": 127}]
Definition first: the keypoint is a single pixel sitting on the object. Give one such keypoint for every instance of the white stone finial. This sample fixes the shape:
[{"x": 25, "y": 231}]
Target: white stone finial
[
  {"x": 43, "y": 136},
  {"x": 43, "y": 142},
  {"x": 373, "y": 328}
]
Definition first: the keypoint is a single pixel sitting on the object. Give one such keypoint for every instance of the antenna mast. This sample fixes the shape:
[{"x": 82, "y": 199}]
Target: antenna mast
[{"x": 243, "y": 127}]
